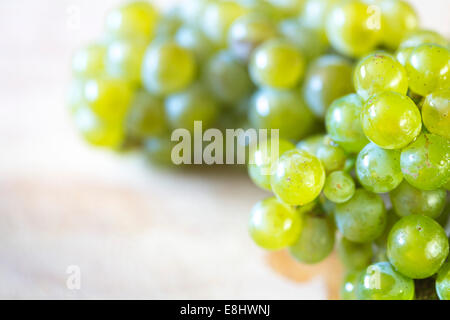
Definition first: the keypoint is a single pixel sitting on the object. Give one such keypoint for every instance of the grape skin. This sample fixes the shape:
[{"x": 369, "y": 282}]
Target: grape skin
[
  {"x": 348, "y": 286},
  {"x": 443, "y": 282},
  {"x": 355, "y": 256},
  {"x": 436, "y": 112},
  {"x": 339, "y": 187}
]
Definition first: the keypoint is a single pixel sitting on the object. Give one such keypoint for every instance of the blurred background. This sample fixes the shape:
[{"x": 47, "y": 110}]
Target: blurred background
[{"x": 133, "y": 231}]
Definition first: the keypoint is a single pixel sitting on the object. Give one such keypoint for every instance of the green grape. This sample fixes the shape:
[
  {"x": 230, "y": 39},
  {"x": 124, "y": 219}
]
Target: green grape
[
  {"x": 417, "y": 246},
  {"x": 381, "y": 241},
  {"x": 124, "y": 60},
  {"x": 217, "y": 19},
  {"x": 328, "y": 78},
  {"x": 436, "y": 112},
  {"x": 425, "y": 163},
  {"x": 194, "y": 40},
  {"x": 247, "y": 33},
  {"x": 408, "y": 200},
  {"x": 343, "y": 124},
  {"x": 146, "y": 116},
  {"x": 380, "y": 281},
  {"x": 444, "y": 217},
  {"x": 261, "y": 161},
  {"x": 298, "y": 177},
  {"x": 227, "y": 79},
  {"x": 132, "y": 20},
  {"x": 288, "y": 7},
  {"x": 398, "y": 19},
  {"x": 311, "y": 144},
  {"x": 378, "y": 169},
  {"x": 274, "y": 225},
  {"x": 391, "y": 120},
  {"x": 315, "y": 14},
  {"x": 193, "y": 104},
  {"x": 348, "y": 286},
  {"x": 327, "y": 206},
  {"x": 402, "y": 55},
  {"x": 443, "y": 282},
  {"x": 109, "y": 98},
  {"x": 332, "y": 156},
  {"x": 89, "y": 62},
  {"x": 428, "y": 69},
  {"x": 308, "y": 40},
  {"x": 316, "y": 240},
  {"x": 98, "y": 131},
  {"x": 283, "y": 110},
  {"x": 167, "y": 68},
  {"x": 339, "y": 187},
  {"x": 354, "y": 256},
  {"x": 169, "y": 24},
  {"x": 353, "y": 28},
  {"x": 158, "y": 150},
  {"x": 419, "y": 37},
  {"x": 362, "y": 218},
  {"x": 277, "y": 63},
  {"x": 379, "y": 72}
]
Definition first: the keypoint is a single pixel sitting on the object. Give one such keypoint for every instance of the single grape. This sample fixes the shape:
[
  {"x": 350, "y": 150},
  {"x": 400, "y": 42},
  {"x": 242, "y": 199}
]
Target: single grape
[
  {"x": 436, "y": 112},
  {"x": 408, "y": 200},
  {"x": 354, "y": 256},
  {"x": 343, "y": 124},
  {"x": 380, "y": 281},
  {"x": 312, "y": 143},
  {"x": 274, "y": 225},
  {"x": 378, "y": 169},
  {"x": 362, "y": 218},
  {"x": 195, "y": 41},
  {"x": 379, "y": 72},
  {"x": 331, "y": 155},
  {"x": 353, "y": 28},
  {"x": 167, "y": 68},
  {"x": 262, "y": 159},
  {"x": 443, "y": 282},
  {"x": 417, "y": 246},
  {"x": 391, "y": 120},
  {"x": 283, "y": 110},
  {"x": 278, "y": 64},
  {"x": 328, "y": 78},
  {"x": 247, "y": 33},
  {"x": 89, "y": 61},
  {"x": 316, "y": 240},
  {"x": 425, "y": 163},
  {"x": 132, "y": 20},
  {"x": 428, "y": 68},
  {"x": 298, "y": 177},
  {"x": 348, "y": 286},
  {"x": 339, "y": 187}
]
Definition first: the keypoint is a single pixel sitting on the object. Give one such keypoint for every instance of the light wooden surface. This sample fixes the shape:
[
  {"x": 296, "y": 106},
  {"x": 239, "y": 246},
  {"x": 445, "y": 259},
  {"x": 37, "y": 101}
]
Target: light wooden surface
[{"x": 134, "y": 231}]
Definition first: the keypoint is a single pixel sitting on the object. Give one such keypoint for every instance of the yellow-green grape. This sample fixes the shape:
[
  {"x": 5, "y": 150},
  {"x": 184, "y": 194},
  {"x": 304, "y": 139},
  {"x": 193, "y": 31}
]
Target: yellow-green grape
[
  {"x": 353, "y": 28},
  {"x": 315, "y": 14},
  {"x": 419, "y": 37},
  {"x": 262, "y": 159},
  {"x": 298, "y": 177},
  {"x": 362, "y": 218},
  {"x": 391, "y": 120},
  {"x": 378, "y": 169},
  {"x": 124, "y": 60},
  {"x": 135, "y": 19},
  {"x": 402, "y": 55},
  {"x": 167, "y": 68},
  {"x": 98, "y": 131},
  {"x": 443, "y": 282},
  {"x": 247, "y": 33},
  {"x": 277, "y": 63},
  {"x": 227, "y": 79},
  {"x": 343, "y": 123},
  {"x": 312, "y": 143},
  {"x": 193, "y": 39},
  {"x": 283, "y": 110},
  {"x": 169, "y": 24},
  {"x": 354, "y": 256},
  {"x": 146, "y": 116},
  {"x": 379, "y": 72},
  {"x": 398, "y": 19},
  {"x": 108, "y": 98},
  {"x": 380, "y": 281},
  {"x": 274, "y": 225},
  {"x": 328, "y": 78},
  {"x": 331, "y": 155},
  {"x": 425, "y": 163},
  {"x": 217, "y": 19},
  {"x": 316, "y": 240},
  {"x": 436, "y": 112},
  {"x": 89, "y": 61},
  {"x": 407, "y": 200},
  {"x": 288, "y": 7},
  {"x": 339, "y": 187},
  {"x": 428, "y": 69},
  {"x": 348, "y": 286},
  {"x": 417, "y": 246},
  {"x": 193, "y": 104}
]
